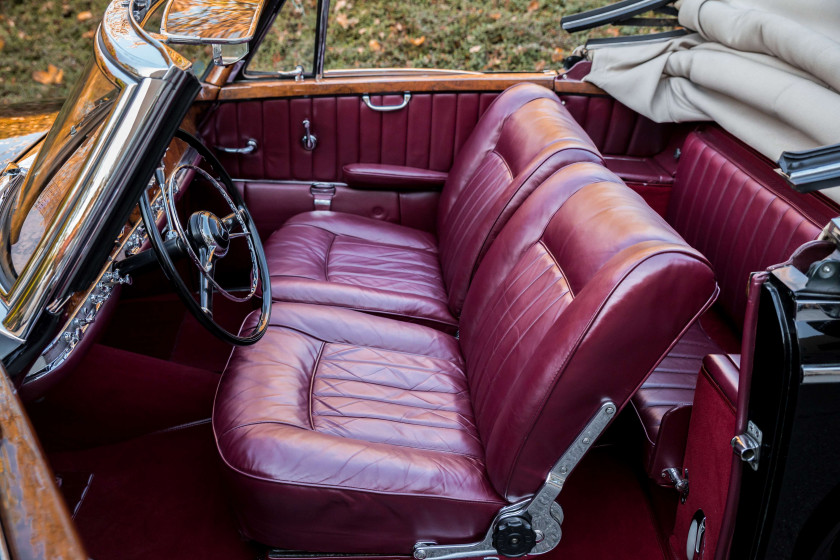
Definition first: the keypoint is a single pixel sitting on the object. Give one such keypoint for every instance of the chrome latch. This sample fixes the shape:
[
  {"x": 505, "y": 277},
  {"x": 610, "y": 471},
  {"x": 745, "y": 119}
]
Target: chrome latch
[
  {"x": 679, "y": 480},
  {"x": 309, "y": 140},
  {"x": 322, "y": 193},
  {"x": 748, "y": 445}
]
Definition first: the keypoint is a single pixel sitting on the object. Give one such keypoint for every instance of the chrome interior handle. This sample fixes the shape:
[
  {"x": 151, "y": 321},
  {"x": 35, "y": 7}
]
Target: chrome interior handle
[
  {"x": 250, "y": 147},
  {"x": 309, "y": 140},
  {"x": 387, "y": 108}
]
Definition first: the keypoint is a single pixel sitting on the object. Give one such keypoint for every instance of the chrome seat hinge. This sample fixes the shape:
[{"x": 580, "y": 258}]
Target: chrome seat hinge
[
  {"x": 679, "y": 480},
  {"x": 533, "y": 526},
  {"x": 748, "y": 445}
]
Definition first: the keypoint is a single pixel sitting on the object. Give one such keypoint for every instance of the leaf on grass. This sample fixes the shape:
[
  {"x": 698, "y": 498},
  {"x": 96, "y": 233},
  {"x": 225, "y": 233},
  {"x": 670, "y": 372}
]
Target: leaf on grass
[
  {"x": 418, "y": 41},
  {"x": 340, "y": 4},
  {"x": 539, "y": 66},
  {"x": 343, "y": 20},
  {"x": 84, "y": 16},
  {"x": 474, "y": 49},
  {"x": 374, "y": 45},
  {"x": 558, "y": 54},
  {"x": 533, "y": 6},
  {"x": 2, "y": 44},
  {"x": 51, "y": 76},
  {"x": 89, "y": 34},
  {"x": 496, "y": 15},
  {"x": 613, "y": 31}
]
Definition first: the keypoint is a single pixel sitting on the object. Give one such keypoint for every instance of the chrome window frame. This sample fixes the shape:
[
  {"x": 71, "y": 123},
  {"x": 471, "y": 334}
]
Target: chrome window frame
[{"x": 153, "y": 79}]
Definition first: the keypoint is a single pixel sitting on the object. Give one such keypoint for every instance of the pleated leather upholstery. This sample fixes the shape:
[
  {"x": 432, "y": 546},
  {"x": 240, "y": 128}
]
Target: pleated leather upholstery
[
  {"x": 388, "y": 433},
  {"x": 364, "y": 264},
  {"x": 731, "y": 205}
]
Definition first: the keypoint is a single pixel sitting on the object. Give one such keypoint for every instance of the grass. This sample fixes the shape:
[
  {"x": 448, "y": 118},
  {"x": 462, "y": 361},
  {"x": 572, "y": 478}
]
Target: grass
[{"x": 484, "y": 35}]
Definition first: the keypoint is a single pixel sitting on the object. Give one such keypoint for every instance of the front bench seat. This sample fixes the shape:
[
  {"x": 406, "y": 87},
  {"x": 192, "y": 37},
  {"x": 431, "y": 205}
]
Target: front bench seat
[
  {"x": 388, "y": 269},
  {"x": 348, "y": 432}
]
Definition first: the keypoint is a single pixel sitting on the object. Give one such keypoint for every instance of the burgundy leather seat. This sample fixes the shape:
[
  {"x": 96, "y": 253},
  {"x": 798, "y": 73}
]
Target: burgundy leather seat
[
  {"x": 349, "y": 432},
  {"x": 731, "y": 205},
  {"x": 369, "y": 265}
]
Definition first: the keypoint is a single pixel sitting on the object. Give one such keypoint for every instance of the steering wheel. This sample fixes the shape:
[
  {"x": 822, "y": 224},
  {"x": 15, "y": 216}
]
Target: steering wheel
[{"x": 206, "y": 239}]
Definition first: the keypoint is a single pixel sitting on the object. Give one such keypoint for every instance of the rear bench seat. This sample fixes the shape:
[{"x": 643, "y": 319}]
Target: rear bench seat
[
  {"x": 388, "y": 269},
  {"x": 728, "y": 203}
]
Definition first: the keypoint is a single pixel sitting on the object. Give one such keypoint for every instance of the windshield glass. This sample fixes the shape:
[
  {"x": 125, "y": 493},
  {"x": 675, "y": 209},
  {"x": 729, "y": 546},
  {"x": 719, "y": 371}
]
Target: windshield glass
[{"x": 59, "y": 163}]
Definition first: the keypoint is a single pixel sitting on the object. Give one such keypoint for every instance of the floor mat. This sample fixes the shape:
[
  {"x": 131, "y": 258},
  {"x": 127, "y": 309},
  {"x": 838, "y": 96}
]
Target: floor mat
[
  {"x": 159, "y": 496},
  {"x": 607, "y": 514}
]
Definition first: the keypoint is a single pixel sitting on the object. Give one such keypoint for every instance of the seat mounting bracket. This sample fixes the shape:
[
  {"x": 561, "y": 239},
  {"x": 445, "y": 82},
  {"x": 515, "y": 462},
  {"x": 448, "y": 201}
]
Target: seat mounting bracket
[{"x": 541, "y": 513}]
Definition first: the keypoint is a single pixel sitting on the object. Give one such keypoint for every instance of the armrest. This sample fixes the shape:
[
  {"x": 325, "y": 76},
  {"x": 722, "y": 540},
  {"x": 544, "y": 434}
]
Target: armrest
[
  {"x": 381, "y": 177},
  {"x": 723, "y": 371}
]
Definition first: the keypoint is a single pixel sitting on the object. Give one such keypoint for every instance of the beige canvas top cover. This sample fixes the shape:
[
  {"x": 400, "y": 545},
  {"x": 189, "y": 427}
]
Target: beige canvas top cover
[{"x": 768, "y": 71}]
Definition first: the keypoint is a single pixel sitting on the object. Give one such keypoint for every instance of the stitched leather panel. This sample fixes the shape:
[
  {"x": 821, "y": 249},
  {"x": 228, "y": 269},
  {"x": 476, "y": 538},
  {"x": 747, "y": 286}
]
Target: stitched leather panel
[
  {"x": 560, "y": 293},
  {"x": 426, "y": 134},
  {"x": 670, "y": 387},
  {"x": 524, "y": 136},
  {"x": 396, "y": 398},
  {"x": 617, "y": 129},
  {"x": 359, "y": 263},
  {"x": 730, "y": 205},
  {"x": 357, "y": 421}
]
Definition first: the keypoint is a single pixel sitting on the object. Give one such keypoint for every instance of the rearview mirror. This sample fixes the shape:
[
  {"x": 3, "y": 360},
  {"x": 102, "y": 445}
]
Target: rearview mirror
[{"x": 227, "y": 25}]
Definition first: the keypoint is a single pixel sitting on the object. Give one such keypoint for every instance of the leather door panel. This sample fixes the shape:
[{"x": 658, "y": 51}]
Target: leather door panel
[{"x": 426, "y": 134}]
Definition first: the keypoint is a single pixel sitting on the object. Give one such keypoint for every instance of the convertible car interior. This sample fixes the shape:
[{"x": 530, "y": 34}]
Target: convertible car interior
[{"x": 500, "y": 314}]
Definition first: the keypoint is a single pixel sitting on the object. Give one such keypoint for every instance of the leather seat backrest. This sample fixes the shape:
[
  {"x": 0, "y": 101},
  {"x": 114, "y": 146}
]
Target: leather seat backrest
[
  {"x": 524, "y": 136},
  {"x": 730, "y": 204},
  {"x": 577, "y": 300}
]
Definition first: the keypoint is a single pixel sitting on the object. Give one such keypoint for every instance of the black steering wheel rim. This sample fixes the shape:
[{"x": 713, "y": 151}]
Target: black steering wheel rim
[{"x": 168, "y": 265}]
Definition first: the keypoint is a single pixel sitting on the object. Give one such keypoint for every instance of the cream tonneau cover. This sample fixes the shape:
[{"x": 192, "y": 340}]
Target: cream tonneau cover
[{"x": 768, "y": 71}]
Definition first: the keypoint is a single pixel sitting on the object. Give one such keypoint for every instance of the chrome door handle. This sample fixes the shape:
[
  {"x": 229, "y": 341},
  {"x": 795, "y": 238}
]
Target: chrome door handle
[
  {"x": 309, "y": 140},
  {"x": 249, "y": 148},
  {"x": 386, "y": 108}
]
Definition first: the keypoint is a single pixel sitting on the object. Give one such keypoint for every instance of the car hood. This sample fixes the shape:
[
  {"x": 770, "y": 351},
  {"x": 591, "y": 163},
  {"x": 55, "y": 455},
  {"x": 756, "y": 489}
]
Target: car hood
[{"x": 23, "y": 127}]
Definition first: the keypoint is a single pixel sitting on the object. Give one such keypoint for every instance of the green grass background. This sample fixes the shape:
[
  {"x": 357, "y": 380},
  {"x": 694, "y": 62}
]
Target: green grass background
[{"x": 482, "y": 35}]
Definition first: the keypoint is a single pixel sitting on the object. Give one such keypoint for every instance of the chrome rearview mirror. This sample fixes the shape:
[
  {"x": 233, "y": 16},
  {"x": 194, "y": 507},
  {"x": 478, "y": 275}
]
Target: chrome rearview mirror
[{"x": 227, "y": 25}]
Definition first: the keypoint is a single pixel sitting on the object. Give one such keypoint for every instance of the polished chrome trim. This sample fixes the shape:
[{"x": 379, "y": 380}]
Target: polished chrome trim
[
  {"x": 821, "y": 374},
  {"x": 147, "y": 72},
  {"x": 546, "y": 515},
  {"x": 387, "y": 108},
  {"x": 250, "y": 146},
  {"x": 321, "y": 38}
]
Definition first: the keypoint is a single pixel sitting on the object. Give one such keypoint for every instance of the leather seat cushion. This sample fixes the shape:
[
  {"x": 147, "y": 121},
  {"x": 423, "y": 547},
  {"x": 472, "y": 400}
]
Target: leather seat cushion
[
  {"x": 359, "y": 263},
  {"x": 664, "y": 401},
  {"x": 346, "y": 431}
]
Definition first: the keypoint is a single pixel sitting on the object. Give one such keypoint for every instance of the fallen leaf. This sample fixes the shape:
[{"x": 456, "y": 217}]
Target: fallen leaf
[
  {"x": 89, "y": 34},
  {"x": 475, "y": 49},
  {"x": 363, "y": 30},
  {"x": 539, "y": 66},
  {"x": 49, "y": 77},
  {"x": 84, "y": 16},
  {"x": 374, "y": 45},
  {"x": 66, "y": 10},
  {"x": 613, "y": 31},
  {"x": 533, "y": 6},
  {"x": 2, "y": 44},
  {"x": 418, "y": 41},
  {"x": 496, "y": 15},
  {"x": 558, "y": 54},
  {"x": 340, "y": 4},
  {"x": 343, "y": 20}
]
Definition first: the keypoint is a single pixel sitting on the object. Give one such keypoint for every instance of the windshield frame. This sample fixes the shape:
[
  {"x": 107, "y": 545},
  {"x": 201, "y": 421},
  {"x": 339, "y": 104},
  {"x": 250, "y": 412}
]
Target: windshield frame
[{"x": 156, "y": 89}]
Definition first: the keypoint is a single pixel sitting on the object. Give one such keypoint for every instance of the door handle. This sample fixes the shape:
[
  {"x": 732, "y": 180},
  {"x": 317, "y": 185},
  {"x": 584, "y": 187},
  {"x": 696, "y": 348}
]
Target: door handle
[
  {"x": 387, "y": 108},
  {"x": 249, "y": 148}
]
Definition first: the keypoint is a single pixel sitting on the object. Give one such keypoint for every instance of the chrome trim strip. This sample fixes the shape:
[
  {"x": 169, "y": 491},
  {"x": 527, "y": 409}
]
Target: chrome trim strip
[{"x": 821, "y": 374}]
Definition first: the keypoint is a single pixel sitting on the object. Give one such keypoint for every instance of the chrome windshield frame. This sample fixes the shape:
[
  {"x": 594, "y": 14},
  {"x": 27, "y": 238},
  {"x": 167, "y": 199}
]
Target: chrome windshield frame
[{"x": 156, "y": 89}]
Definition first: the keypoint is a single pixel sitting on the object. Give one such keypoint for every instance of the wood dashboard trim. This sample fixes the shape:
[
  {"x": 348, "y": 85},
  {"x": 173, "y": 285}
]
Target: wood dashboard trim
[{"x": 260, "y": 89}]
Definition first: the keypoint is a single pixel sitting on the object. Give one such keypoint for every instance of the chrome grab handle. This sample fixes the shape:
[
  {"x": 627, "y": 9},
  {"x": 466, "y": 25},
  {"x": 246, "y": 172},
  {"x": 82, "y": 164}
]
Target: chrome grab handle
[
  {"x": 387, "y": 108},
  {"x": 249, "y": 148}
]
